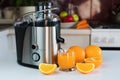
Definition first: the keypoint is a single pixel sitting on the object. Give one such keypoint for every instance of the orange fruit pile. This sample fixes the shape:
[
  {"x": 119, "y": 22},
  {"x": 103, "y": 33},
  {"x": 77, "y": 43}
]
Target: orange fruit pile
[
  {"x": 92, "y": 55},
  {"x": 47, "y": 68},
  {"x": 86, "y": 59}
]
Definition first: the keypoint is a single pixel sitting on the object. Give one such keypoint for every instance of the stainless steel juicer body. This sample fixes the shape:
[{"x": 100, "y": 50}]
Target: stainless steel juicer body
[{"x": 38, "y": 36}]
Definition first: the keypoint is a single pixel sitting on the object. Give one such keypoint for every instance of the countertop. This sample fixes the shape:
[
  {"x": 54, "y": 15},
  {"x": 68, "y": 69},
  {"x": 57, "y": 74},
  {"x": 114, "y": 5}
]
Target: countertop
[{"x": 11, "y": 70}]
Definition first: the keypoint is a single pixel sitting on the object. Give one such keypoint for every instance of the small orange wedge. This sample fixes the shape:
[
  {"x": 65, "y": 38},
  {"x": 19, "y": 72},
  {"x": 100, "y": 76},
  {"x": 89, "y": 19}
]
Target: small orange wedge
[
  {"x": 85, "y": 67},
  {"x": 97, "y": 61},
  {"x": 47, "y": 68}
]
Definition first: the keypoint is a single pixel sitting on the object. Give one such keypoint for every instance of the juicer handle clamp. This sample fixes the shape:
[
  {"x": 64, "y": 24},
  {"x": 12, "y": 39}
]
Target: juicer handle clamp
[
  {"x": 60, "y": 39},
  {"x": 58, "y": 35}
]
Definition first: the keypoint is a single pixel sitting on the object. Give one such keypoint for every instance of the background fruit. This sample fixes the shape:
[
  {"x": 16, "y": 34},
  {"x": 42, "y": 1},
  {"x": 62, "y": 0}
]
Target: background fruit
[
  {"x": 93, "y": 51},
  {"x": 63, "y": 14},
  {"x": 68, "y": 18},
  {"x": 47, "y": 68},
  {"x": 82, "y": 24},
  {"x": 79, "y": 53},
  {"x": 85, "y": 67},
  {"x": 95, "y": 60},
  {"x": 75, "y": 17}
]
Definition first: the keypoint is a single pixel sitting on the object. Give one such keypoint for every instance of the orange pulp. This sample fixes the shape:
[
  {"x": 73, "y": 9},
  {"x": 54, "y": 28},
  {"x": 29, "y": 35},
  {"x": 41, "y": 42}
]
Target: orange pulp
[{"x": 66, "y": 60}]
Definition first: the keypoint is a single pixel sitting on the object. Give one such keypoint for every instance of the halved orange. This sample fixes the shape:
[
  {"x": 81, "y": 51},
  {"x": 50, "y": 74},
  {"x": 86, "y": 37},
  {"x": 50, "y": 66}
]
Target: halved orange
[
  {"x": 47, "y": 68},
  {"x": 85, "y": 67},
  {"x": 96, "y": 60}
]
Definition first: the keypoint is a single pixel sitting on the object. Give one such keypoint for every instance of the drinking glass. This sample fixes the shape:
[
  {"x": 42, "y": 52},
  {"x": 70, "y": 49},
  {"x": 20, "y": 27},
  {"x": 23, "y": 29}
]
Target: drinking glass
[{"x": 66, "y": 60}]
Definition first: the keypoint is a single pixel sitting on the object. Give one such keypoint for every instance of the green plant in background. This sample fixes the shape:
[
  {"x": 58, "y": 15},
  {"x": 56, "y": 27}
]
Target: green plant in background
[
  {"x": 18, "y": 3},
  {"x": 28, "y": 2}
]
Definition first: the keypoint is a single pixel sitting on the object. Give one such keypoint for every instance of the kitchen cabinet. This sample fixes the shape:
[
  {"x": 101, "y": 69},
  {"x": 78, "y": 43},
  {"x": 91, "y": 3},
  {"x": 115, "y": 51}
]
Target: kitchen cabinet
[
  {"x": 11, "y": 39},
  {"x": 7, "y": 39},
  {"x": 3, "y": 40},
  {"x": 72, "y": 37},
  {"x": 6, "y": 21}
]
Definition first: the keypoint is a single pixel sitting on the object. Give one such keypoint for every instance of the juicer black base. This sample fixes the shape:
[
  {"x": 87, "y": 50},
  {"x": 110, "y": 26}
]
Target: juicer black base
[{"x": 27, "y": 65}]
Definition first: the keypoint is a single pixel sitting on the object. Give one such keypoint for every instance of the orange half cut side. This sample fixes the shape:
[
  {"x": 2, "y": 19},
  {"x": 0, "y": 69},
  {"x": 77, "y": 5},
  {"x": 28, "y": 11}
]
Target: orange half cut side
[
  {"x": 47, "y": 68},
  {"x": 85, "y": 67},
  {"x": 97, "y": 61}
]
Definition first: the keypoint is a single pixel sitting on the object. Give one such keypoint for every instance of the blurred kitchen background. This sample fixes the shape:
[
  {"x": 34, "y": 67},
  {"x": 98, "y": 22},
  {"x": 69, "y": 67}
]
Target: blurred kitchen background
[
  {"x": 94, "y": 11},
  {"x": 105, "y": 11}
]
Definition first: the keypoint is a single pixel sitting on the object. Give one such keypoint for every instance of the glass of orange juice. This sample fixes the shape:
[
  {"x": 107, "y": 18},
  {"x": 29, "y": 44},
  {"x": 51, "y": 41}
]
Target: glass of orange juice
[{"x": 66, "y": 60}]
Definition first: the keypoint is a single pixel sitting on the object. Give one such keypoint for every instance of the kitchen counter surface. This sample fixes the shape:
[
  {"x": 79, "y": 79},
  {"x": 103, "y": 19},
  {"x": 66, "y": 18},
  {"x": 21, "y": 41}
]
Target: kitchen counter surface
[{"x": 11, "y": 70}]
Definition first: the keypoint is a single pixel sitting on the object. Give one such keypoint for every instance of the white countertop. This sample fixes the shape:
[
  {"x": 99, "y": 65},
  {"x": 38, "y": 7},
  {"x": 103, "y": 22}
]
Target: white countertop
[{"x": 11, "y": 70}]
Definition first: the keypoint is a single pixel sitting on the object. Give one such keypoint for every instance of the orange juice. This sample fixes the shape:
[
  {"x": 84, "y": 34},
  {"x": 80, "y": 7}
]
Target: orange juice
[{"x": 66, "y": 60}]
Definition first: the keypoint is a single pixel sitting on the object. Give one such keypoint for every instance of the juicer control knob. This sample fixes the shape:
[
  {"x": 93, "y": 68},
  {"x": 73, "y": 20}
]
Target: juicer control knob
[
  {"x": 34, "y": 46},
  {"x": 35, "y": 56}
]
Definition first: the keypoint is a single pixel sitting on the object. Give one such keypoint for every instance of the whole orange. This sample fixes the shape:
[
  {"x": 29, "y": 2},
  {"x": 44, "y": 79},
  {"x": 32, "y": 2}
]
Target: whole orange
[
  {"x": 93, "y": 51},
  {"x": 79, "y": 53}
]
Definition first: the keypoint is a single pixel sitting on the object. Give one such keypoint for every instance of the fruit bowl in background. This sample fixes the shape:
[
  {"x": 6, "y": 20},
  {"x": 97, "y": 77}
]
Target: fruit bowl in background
[{"x": 66, "y": 25}]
